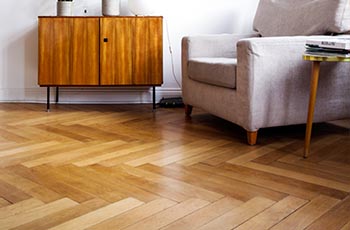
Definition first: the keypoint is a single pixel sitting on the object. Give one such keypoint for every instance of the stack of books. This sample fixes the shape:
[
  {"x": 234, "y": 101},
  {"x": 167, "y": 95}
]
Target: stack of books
[{"x": 337, "y": 46}]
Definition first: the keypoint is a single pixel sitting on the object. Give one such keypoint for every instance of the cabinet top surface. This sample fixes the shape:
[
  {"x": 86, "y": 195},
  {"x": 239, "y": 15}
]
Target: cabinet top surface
[{"x": 100, "y": 16}]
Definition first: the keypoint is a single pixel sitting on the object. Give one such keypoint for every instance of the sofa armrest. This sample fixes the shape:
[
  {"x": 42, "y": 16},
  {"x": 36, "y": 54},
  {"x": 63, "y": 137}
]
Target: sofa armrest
[
  {"x": 220, "y": 45},
  {"x": 273, "y": 81},
  {"x": 262, "y": 60}
]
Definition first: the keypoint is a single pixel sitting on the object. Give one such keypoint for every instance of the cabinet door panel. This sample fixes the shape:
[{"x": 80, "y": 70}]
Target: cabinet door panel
[
  {"x": 148, "y": 51},
  {"x": 116, "y": 51},
  {"x": 85, "y": 51},
  {"x": 68, "y": 51}
]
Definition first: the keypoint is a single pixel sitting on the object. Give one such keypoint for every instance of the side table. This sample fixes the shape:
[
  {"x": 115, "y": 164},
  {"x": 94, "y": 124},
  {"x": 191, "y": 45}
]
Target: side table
[{"x": 315, "y": 72}]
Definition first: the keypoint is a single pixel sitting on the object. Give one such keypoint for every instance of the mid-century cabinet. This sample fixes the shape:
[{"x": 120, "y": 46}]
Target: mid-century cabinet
[{"x": 100, "y": 51}]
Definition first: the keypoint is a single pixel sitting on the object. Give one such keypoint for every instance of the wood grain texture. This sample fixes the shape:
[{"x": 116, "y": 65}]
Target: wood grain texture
[
  {"x": 68, "y": 51},
  {"x": 116, "y": 55},
  {"x": 107, "y": 51},
  {"x": 148, "y": 51},
  {"x": 126, "y": 167}
]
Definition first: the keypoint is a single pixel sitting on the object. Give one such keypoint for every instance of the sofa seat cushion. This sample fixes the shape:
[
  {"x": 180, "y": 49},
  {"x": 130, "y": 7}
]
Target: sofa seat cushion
[
  {"x": 214, "y": 71},
  {"x": 302, "y": 17}
]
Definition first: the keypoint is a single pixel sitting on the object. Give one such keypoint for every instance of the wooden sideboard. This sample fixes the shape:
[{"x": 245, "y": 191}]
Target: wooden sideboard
[{"x": 100, "y": 51}]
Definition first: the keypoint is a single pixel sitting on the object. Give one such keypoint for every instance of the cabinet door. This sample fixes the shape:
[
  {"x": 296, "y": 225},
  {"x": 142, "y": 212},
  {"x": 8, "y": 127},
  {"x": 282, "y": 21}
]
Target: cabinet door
[
  {"x": 116, "y": 50},
  {"x": 148, "y": 51},
  {"x": 68, "y": 51}
]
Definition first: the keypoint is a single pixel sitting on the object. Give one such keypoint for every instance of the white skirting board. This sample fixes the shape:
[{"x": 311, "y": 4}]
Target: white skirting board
[{"x": 89, "y": 95}]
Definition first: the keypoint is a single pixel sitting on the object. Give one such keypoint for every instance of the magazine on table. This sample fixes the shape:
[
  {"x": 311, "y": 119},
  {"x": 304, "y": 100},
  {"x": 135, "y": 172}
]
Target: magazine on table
[
  {"x": 326, "y": 54},
  {"x": 341, "y": 42},
  {"x": 336, "y": 46}
]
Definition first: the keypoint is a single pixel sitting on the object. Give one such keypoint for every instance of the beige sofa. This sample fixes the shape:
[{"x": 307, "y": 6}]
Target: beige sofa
[{"x": 260, "y": 80}]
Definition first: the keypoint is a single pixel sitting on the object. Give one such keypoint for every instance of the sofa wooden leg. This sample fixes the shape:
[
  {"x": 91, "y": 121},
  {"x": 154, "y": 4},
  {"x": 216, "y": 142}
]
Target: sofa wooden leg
[
  {"x": 188, "y": 110},
  {"x": 252, "y": 137}
]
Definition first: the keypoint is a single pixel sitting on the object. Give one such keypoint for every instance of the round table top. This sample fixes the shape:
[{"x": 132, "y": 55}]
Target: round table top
[{"x": 330, "y": 58}]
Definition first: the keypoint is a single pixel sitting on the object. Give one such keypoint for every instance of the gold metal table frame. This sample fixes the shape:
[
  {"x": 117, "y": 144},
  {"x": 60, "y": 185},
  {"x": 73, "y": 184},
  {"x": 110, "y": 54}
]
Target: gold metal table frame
[{"x": 315, "y": 72}]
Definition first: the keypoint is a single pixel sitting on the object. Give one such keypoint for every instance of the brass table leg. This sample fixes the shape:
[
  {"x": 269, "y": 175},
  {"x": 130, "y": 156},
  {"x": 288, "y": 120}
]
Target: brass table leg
[{"x": 313, "y": 91}]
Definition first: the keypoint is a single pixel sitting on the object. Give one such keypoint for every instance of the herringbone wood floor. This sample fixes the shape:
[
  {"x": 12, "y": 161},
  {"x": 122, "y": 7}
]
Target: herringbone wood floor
[{"x": 124, "y": 167}]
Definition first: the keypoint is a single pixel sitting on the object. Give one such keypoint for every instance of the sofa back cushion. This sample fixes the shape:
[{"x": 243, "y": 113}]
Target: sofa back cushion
[{"x": 302, "y": 17}]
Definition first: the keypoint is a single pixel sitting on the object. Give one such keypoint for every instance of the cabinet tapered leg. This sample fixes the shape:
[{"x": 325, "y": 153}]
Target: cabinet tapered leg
[
  {"x": 154, "y": 98},
  {"x": 57, "y": 94},
  {"x": 48, "y": 99}
]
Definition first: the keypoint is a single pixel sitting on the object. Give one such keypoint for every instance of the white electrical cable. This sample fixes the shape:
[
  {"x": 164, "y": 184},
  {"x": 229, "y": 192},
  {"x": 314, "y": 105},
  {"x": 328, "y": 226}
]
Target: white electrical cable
[{"x": 171, "y": 54}]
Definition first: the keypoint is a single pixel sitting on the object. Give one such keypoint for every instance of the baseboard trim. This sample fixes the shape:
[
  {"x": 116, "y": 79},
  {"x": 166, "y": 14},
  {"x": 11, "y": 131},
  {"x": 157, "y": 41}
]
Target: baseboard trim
[{"x": 89, "y": 95}]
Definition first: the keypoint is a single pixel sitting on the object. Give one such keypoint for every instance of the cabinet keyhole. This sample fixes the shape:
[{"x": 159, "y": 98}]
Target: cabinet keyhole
[{"x": 105, "y": 40}]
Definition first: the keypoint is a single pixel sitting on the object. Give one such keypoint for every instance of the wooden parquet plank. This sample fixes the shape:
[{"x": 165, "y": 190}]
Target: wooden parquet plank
[
  {"x": 103, "y": 186},
  {"x": 99, "y": 215},
  {"x": 266, "y": 180},
  {"x": 169, "y": 215},
  {"x": 283, "y": 184},
  {"x": 204, "y": 156},
  {"x": 66, "y": 156},
  {"x": 95, "y": 187},
  {"x": 334, "y": 218},
  {"x": 29, "y": 156},
  {"x": 304, "y": 216},
  {"x": 216, "y": 183},
  {"x": 205, "y": 214},
  {"x": 170, "y": 185},
  {"x": 346, "y": 227},
  {"x": 317, "y": 171},
  {"x": 135, "y": 215},
  {"x": 94, "y": 133},
  {"x": 271, "y": 156},
  {"x": 300, "y": 176},
  {"x": 125, "y": 166},
  {"x": 166, "y": 153},
  {"x": 65, "y": 132},
  {"x": 227, "y": 154},
  {"x": 184, "y": 154},
  {"x": 36, "y": 118},
  {"x": 252, "y": 155},
  {"x": 114, "y": 183},
  {"x": 342, "y": 154},
  {"x": 141, "y": 153},
  {"x": 29, "y": 187},
  {"x": 98, "y": 151},
  {"x": 342, "y": 170},
  {"x": 10, "y": 144},
  {"x": 44, "y": 178},
  {"x": 296, "y": 148},
  {"x": 9, "y": 135},
  {"x": 36, "y": 213},
  {"x": 65, "y": 215},
  {"x": 11, "y": 193},
  {"x": 19, "y": 207},
  {"x": 4, "y": 203},
  {"x": 27, "y": 147},
  {"x": 341, "y": 166},
  {"x": 102, "y": 118},
  {"x": 274, "y": 214},
  {"x": 329, "y": 146},
  {"x": 239, "y": 215},
  {"x": 129, "y": 148},
  {"x": 37, "y": 133},
  {"x": 137, "y": 133}
]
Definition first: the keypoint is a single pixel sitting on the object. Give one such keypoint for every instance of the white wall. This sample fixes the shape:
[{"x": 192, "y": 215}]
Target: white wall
[{"x": 18, "y": 44}]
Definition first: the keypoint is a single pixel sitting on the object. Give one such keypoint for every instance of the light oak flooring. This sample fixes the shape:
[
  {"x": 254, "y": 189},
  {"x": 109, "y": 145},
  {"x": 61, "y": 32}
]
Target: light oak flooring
[{"x": 125, "y": 167}]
